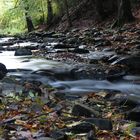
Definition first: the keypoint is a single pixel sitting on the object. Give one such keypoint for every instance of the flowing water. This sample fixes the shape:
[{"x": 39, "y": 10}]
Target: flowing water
[{"x": 27, "y": 68}]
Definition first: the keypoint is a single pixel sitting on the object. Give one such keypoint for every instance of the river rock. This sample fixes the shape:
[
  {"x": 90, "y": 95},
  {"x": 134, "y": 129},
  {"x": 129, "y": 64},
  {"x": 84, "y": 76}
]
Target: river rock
[
  {"x": 6, "y": 43},
  {"x": 134, "y": 114},
  {"x": 73, "y": 40},
  {"x": 102, "y": 42},
  {"x": 45, "y": 138},
  {"x": 114, "y": 73},
  {"x": 91, "y": 135},
  {"x": 80, "y": 109},
  {"x": 137, "y": 46},
  {"x": 47, "y": 34},
  {"x": 31, "y": 87},
  {"x": 113, "y": 58},
  {"x": 136, "y": 131},
  {"x": 118, "y": 38},
  {"x": 58, "y": 135},
  {"x": 22, "y": 52},
  {"x": 96, "y": 71},
  {"x": 133, "y": 62},
  {"x": 103, "y": 124},
  {"x": 80, "y": 51},
  {"x": 59, "y": 73},
  {"x": 128, "y": 101},
  {"x": 63, "y": 46},
  {"x": 3, "y": 70},
  {"x": 83, "y": 127}
]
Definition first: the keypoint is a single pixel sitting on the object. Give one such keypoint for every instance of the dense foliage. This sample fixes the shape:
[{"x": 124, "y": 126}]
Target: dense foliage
[
  {"x": 23, "y": 15},
  {"x": 12, "y": 15}
]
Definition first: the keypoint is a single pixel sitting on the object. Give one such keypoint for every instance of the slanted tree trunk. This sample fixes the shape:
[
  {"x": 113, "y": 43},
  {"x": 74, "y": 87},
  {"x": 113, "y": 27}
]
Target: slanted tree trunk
[
  {"x": 124, "y": 13},
  {"x": 50, "y": 12},
  {"x": 67, "y": 14}
]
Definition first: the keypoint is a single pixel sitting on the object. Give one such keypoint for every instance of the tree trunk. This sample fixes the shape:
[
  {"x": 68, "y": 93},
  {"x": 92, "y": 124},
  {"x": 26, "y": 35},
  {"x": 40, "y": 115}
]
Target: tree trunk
[
  {"x": 100, "y": 9},
  {"x": 50, "y": 12},
  {"x": 29, "y": 22},
  {"x": 124, "y": 13},
  {"x": 28, "y": 19},
  {"x": 67, "y": 14}
]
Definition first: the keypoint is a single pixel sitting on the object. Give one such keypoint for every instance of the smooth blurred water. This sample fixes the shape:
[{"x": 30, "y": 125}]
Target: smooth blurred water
[{"x": 24, "y": 67}]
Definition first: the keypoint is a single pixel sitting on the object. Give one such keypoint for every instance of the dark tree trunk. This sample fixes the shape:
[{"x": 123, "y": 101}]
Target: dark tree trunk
[
  {"x": 50, "y": 12},
  {"x": 67, "y": 13},
  {"x": 29, "y": 22},
  {"x": 124, "y": 13},
  {"x": 100, "y": 9},
  {"x": 28, "y": 19}
]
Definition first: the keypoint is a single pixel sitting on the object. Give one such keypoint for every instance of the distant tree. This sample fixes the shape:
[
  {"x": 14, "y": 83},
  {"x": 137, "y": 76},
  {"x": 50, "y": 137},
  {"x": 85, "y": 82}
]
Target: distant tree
[
  {"x": 67, "y": 13},
  {"x": 29, "y": 22},
  {"x": 100, "y": 9},
  {"x": 49, "y": 12},
  {"x": 124, "y": 13}
]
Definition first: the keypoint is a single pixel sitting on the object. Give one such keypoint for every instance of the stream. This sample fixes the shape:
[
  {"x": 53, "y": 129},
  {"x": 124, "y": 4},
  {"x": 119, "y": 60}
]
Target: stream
[{"x": 23, "y": 68}]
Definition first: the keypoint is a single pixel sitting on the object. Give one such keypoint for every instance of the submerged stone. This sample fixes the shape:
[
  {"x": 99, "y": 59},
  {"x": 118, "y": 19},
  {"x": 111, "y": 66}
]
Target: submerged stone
[{"x": 22, "y": 52}]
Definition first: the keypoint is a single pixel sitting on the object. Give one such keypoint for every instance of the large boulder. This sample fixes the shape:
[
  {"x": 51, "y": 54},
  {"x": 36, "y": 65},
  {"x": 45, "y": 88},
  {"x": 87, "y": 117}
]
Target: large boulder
[
  {"x": 22, "y": 52},
  {"x": 3, "y": 70}
]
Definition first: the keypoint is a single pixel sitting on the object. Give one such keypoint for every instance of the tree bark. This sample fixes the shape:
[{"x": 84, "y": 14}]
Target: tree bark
[
  {"x": 67, "y": 14},
  {"x": 28, "y": 19},
  {"x": 50, "y": 12},
  {"x": 100, "y": 9},
  {"x": 124, "y": 13},
  {"x": 29, "y": 22}
]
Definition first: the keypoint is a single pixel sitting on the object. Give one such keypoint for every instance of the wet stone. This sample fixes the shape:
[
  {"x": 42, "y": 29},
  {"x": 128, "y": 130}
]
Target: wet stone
[
  {"x": 115, "y": 74},
  {"x": 102, "y": 42},
  {"x": 3, "y": 71},
  {"x": 6, "y": 43},
  {"x": 73, "y": 40},
  {"x": 48, "y": 34},
  {"x": 91, "y": 135},
  {"x": 45, "y": 138},
  {"x": 138, "y": 46},
  {"x": 134, "y": 114},
  {"x": 136, "y": 131},
  {"x": 80, "y": 51},
  {"x": 83, "y": 127},
  {"x": 58, "y": 135},
  {"x": 128, "y": 102},
  {"x": 118, "y": 38},
  {"x": 84, "y": 110},
  {"x": 102, "y": 124},
  {"x": 63, "y": 46},
  {"x": 133, "y": 62},
  {"x": 113, "y": 58},
  {"x": 22, "y": 52},
  {"x": 107, "y": 49}
]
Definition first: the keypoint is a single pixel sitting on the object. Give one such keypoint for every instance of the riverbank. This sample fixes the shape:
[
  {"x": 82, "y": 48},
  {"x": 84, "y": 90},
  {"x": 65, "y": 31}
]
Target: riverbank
[{"x": 80, "y": 84}]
